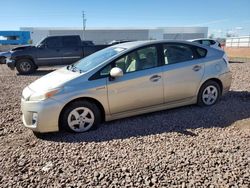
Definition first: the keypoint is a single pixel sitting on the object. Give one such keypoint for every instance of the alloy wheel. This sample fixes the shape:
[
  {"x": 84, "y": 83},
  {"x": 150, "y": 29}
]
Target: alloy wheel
[
  {"x": 25, "y": 66},
  {"x": 81, "y": 119},
  {"x": 210, "y": 95}
]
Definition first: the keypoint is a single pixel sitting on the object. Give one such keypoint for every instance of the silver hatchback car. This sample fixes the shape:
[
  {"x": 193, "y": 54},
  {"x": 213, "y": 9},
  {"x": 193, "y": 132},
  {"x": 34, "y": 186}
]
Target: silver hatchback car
[{"x": 125, "y": 80}]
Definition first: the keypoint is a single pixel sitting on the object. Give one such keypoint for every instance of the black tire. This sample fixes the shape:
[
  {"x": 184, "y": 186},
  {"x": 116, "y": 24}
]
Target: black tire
[
  {"x": 25, "y": 66},
  {"x": 67, "y": 114},
  {"x": 201, "y": 95}
]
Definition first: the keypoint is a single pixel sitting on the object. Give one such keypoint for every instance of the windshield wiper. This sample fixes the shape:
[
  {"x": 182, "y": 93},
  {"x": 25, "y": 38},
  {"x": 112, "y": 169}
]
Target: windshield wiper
[{"x": 73, "y": 68}]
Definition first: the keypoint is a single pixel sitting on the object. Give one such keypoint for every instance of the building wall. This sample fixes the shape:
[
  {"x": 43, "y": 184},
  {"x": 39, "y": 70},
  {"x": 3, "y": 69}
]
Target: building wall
[
  {"x": 103, "y": 35},
  {"x": 155, "y": 34},
  {"x": 183, "y": 36},
  {"x": 185, "y": 33},
  {"x": 36, "y": 34}
]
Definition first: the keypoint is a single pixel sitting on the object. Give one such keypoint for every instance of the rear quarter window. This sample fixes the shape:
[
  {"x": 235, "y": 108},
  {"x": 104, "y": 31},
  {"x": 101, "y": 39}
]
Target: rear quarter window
[
  {"x": 201, "y": 52},
  {"x": 212, "y": 42},
  {"x": 197, "y": 41}
]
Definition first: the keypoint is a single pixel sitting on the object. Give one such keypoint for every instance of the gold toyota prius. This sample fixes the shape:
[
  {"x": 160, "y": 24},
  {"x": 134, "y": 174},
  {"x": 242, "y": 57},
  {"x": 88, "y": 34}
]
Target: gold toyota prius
[{"x": 125, "y": 80}]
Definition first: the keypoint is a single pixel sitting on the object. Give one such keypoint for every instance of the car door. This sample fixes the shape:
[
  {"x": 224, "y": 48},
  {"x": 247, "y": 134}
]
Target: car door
[
  {"x": 183, "y": 71},
  {"x": 71, "y": 49},
  {"x": 141, "y": 85},
  {"x": 49, "y": 53}
]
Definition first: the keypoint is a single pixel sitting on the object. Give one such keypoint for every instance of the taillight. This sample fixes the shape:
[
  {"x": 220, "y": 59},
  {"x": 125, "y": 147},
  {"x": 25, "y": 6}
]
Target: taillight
[
  {"x": 225, "y": 58},
  {"x": 226, "y": 61}
]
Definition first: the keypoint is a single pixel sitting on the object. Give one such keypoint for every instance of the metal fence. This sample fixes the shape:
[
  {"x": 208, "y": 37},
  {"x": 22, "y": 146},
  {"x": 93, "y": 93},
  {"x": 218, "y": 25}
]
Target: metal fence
[{"x": 237, "y": 42}]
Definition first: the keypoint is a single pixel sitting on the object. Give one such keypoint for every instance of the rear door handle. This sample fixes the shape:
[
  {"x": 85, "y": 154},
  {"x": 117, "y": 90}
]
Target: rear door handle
[
  {"x": 196, "y": 68},
  {"x": 155, "y": 78}
]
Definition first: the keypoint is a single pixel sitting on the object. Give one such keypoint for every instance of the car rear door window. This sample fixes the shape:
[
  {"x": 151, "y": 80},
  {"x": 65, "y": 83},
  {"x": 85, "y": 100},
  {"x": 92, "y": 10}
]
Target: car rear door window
[
  {"x": 175, "y": 53},
  {"x": 70, "y": 41}
]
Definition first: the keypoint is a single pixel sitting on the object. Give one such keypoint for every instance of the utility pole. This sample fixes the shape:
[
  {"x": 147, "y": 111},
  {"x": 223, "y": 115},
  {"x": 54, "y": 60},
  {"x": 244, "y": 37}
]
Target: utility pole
[{"x": 83, "y": 25}]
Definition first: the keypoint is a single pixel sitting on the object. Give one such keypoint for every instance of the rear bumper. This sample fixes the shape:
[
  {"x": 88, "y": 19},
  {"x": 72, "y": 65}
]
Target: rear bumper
[{"x": 226, "y": 80}]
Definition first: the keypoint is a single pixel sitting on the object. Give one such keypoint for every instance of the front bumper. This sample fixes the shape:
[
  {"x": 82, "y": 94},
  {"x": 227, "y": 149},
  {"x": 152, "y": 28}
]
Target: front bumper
[
  {"x": 47, "y": 115},
  {"x": 2, "y": 60},
  {"x": 10, "y": 63}
]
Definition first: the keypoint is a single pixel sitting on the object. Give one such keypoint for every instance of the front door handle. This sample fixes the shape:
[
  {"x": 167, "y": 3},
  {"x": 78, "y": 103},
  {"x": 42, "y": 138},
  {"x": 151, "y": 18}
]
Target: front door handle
[
  {"x": 196, "y": 68},
  {"x": 155, "y": 78}
]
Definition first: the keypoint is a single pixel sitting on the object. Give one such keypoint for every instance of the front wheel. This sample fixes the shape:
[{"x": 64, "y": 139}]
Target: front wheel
[
  {"x": 25, "y": 66},
  {"x": 80, "y": 116},
  {"x": 209, "y": 93}
]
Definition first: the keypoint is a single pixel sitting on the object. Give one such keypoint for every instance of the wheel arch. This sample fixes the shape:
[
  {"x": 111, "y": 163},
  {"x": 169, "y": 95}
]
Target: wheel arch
[
  {"x": 18, "y": 58},
  {"x": 90, "y": 99},
  {"x": 217, "y": 80}
]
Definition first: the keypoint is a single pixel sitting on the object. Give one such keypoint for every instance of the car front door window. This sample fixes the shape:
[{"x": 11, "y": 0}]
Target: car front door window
[
  {"x": 54, "y": 42},
  {"x": 141, "y": 59}
]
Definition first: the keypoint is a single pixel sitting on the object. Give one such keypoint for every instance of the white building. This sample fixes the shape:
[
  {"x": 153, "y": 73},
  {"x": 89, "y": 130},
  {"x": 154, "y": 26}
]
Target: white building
[{"x": 105, "y": 35}]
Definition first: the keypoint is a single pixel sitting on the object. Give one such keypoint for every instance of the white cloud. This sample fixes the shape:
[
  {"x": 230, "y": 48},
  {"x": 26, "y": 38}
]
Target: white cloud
[{"x": 210, "y": 22}]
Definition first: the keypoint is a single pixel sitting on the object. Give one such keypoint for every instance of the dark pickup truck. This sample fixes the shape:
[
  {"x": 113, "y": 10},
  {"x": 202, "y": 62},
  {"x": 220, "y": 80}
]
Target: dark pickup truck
[{"x": 52, "y": 50}]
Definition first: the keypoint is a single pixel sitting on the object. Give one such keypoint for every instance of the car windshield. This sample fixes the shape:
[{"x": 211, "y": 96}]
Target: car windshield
[
  {"x": 40, "y": 42},
  {"x": 97, "y": 58}
]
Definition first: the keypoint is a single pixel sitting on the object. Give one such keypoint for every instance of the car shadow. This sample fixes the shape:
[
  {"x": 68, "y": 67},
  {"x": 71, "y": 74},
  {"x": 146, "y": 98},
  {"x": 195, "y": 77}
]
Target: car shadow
[
  {"x": 240, "y": 62},
  {"x": 234, "y": 106}
]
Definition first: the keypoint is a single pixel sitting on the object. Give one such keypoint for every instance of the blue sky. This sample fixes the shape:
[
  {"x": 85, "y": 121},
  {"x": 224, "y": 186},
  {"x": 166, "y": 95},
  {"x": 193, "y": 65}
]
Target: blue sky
[{"x": 221, "y": 16}]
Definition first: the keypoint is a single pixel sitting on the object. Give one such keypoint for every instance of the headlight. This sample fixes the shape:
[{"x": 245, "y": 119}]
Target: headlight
[{"x": 45, "y": 95}]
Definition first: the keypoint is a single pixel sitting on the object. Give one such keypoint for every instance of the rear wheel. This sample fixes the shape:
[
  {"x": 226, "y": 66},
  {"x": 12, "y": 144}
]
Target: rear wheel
[
  {"x": 80, "y": 116},
  {"x": 209, "y": 93},
  {"x": 25, "y": 66}
]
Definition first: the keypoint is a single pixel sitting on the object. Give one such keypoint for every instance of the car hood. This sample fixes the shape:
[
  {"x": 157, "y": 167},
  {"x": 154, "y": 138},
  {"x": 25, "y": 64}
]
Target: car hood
[
  {"x": 5, "y": 54},
  {"x": 22, "y": 47},
  {"x": 53, "y": 80}
]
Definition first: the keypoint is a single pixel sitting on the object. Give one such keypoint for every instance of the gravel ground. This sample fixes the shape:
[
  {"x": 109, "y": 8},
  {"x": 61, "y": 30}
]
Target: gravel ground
[{"x": 185, "y": 147}]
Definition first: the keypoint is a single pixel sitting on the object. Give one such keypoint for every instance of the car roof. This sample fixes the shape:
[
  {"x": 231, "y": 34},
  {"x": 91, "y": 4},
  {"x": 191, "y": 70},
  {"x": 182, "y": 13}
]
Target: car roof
[
  {"x": 201, "y": 39},
  {"x": 137, "y": 44}
]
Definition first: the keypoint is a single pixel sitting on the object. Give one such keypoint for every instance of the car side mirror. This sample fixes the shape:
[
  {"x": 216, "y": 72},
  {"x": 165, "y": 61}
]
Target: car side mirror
[
  {"x": 116, "y": 72},
  {"x": 42, "y": 46}
]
